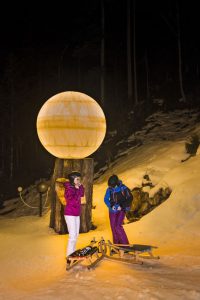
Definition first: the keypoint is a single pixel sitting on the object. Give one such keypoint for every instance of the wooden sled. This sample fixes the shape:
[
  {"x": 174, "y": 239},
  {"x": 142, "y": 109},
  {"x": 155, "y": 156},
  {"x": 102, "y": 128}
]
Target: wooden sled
[
  {"x": 128, "y": 253},
  {"x": 92, "y": 259},
  {"x": 131, "y": 253}
]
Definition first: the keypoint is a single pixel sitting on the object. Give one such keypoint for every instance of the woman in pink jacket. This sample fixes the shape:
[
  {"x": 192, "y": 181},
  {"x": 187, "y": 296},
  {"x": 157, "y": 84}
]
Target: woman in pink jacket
[{"x": 74, "y": 190}]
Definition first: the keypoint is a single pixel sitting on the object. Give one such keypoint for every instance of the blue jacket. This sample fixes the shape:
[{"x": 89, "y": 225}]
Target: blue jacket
[{"x": 108, "y": 193}]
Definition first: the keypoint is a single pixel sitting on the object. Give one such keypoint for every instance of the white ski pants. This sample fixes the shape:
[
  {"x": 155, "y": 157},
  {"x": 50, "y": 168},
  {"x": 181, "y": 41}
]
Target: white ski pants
[{"x": 73, "y": 226}]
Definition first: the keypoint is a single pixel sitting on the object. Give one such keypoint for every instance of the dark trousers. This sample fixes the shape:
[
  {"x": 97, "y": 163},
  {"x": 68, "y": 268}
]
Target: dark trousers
[{"x": 116, "y": 221}]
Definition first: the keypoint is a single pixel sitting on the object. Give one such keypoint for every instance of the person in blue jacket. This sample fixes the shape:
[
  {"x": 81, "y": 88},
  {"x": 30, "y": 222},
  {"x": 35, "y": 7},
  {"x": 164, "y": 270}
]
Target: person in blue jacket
[{"x": 114, "y": 200}]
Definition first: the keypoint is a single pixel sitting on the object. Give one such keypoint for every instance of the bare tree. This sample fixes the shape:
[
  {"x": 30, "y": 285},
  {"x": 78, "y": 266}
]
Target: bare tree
[
  {"x": 11, "y": 86},
  {"x": 177, "y": 34},
  {"x": 102, "y": 52},
  {"x": 134, "y": 53},
  {"x": 179, "y": 53},
  {"x": 147, "y": 76},
  {"x": 129, "y": 60}
]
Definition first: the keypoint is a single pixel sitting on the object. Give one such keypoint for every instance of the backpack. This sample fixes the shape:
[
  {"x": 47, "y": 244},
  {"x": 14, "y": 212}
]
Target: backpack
[
  {"x": 128, "y": 198},
  {"x": 124, "y": 198},
  {"x": 60, "y": 190}
]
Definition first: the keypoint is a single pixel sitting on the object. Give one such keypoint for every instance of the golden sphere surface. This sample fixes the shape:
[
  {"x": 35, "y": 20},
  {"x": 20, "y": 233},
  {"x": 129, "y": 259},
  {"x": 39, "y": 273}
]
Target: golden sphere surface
[{"x": 71, "y": 125}]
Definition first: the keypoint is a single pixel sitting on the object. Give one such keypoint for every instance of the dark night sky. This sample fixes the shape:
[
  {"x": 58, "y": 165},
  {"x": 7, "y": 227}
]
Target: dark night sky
[
  {"x": 37, "y": 35},
  {"x": 38, "y": 24},
  {"x": 33, "y": 25},
  {"x": 52, "y": 27}
]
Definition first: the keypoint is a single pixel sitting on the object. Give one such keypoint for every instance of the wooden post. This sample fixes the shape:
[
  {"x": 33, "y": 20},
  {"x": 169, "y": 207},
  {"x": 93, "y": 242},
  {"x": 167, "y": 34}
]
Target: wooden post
[{"x": 62, "y": 168}]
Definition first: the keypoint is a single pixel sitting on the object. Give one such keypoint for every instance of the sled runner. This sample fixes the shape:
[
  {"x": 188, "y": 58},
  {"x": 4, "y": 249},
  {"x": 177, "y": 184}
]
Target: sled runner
[
  {"x": 129, "y": 253},
  {"x": 90, "y": 254}
]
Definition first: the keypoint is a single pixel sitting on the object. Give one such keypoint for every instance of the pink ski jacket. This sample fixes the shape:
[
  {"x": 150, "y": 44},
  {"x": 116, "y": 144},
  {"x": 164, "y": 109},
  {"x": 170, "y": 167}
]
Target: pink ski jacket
[{"x": 73, "y": 198}]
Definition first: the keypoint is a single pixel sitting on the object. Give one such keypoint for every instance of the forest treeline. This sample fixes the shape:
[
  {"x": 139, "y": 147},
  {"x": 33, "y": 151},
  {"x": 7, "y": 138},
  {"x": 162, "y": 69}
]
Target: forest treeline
[{"x": 132, "y": 60}]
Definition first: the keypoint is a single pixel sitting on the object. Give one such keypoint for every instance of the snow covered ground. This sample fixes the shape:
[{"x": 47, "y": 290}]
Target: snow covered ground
[{"x": 32, "y": 256}]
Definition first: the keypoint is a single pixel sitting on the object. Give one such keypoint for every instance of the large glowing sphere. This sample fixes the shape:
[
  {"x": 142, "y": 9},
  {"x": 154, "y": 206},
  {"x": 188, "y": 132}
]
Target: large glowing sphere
[{"x": 71, "y": 125}]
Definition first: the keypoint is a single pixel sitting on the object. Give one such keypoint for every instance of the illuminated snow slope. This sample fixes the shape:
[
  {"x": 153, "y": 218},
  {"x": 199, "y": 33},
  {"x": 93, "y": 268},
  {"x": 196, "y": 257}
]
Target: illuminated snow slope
[{"x": 32, "y": 262}]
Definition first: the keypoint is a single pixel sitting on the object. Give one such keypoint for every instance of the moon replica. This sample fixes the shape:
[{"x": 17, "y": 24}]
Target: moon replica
[{"x": 71, "y": 125}]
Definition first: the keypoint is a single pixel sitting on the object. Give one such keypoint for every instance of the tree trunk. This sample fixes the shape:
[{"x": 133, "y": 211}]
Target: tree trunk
[
  {"x": 179, "y": 55},
  {"x": 102, "y": 54},
  {"x": 2, "y": 163},
  {"x": 11, "y": 116},
  {"x": 147, "y": 77},
  {"x": 57, "y": 221},
  {"x": 129, "y": 60},
  {"x": 62, "y": 168},
  {"x": 134, "y": 55}
]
